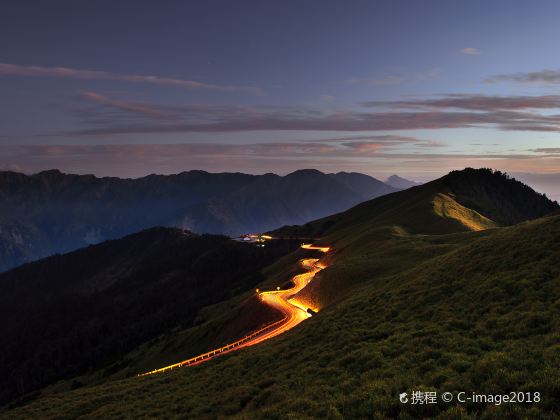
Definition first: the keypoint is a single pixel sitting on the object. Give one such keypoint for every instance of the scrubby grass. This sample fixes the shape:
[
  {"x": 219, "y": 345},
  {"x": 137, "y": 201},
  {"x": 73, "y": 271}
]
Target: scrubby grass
[{"x": 462, "y": 312}]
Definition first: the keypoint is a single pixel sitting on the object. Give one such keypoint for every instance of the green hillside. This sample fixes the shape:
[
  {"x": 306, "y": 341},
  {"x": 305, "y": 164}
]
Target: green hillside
[{"x": 458, "y": 311}]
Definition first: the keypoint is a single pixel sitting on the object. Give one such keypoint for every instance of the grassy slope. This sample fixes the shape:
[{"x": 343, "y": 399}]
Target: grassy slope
[{"x": 467, "y": 311}]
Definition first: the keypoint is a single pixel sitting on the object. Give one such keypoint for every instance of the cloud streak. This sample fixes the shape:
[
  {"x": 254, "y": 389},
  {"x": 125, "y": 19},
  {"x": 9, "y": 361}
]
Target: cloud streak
[
  {"x": 382, "y": 81},
  {"x": 543, "y": 76},
  {"x": 474, "y": 102},
  {"x": 550, "y": 150},
  {"x": 259, "y": 121},
  {"x": 513, "y": 113},
  {"x": 83, "y": 74},
  {"x": 128, "y": 106},
  {"x": 393, "y": 79},
  {"x": 470, "y": 51}
]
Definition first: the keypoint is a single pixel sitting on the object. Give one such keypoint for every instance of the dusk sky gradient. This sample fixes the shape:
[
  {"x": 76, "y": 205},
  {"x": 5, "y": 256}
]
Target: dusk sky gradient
[{"x": 129, "y": 88}]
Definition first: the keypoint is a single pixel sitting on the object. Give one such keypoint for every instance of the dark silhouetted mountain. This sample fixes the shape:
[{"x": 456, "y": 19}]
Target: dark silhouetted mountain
[
  {"x": 399, "y": 182},
  {"x": 497, "y": 196},
  {"x": 67, "y": 314},
  {"x": 54, "y": 212}
]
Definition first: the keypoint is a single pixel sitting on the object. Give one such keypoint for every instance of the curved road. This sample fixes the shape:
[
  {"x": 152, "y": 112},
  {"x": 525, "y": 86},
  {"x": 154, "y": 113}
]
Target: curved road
[{"x": 294, "y": 313}]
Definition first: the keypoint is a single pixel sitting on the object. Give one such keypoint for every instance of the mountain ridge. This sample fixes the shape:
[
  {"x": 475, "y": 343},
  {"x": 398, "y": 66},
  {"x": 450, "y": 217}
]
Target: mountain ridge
[
  {"x": 53, "y": 212},
  {"x": 490, "y": 197}
]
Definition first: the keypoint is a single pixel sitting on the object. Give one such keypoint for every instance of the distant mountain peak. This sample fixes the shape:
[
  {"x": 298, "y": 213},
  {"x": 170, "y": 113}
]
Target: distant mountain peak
[
  {"x": 400, "y": 182},
  {"x": 309, "y": 171},
  {"x": 50, "y": 172}
]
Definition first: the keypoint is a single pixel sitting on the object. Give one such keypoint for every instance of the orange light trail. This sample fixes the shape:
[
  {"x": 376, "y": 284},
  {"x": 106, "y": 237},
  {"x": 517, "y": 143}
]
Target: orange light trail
[
  {"x": 294, "y": 313},
  {"x": 318, "y": 248}
]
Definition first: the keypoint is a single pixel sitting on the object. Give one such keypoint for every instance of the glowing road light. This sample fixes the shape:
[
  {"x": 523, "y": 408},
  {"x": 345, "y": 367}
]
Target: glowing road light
[
  {"x": 282, "y": 300},
  {"x": 317, "y": 248},
  {"x": 278, "y": 288},
  {"x": 259, "y": 238}
]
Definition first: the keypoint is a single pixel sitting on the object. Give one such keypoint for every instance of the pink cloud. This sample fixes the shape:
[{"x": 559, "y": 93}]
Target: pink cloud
[
  {"x": 470, "y": 51},
  {"x": 474, "y": 102},
  {"x": 542, "y": 76},
  {"x": 84, "y": 74},
  {"x": 508, "y": 113},
  {"x": 364, "y": 147},
  {"x": 134, "y": 107}
]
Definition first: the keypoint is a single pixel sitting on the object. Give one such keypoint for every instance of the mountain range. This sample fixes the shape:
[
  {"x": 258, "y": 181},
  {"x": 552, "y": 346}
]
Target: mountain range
[
  {"x": 51, "y": 212},
  {"x": 451, "y": 286}
]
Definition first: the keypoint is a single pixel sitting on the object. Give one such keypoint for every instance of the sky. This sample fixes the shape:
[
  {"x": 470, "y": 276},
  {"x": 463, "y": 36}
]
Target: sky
[{"x": 417, "y": 88}]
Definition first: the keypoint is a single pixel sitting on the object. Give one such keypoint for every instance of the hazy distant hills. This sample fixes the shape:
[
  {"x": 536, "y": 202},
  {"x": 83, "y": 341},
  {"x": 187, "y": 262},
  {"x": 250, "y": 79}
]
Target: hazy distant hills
[
  {"x": 453, "y": 285},
  {"x": 53, "y": 212},
  {"x": 548, "y": 182}
]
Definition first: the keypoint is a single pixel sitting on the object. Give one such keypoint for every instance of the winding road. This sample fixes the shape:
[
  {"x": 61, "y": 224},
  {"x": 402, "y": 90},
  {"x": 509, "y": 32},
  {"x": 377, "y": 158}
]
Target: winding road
[{"x": 293, "y": 311}]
